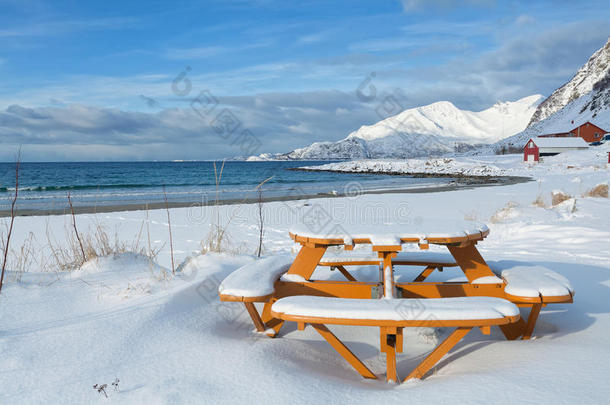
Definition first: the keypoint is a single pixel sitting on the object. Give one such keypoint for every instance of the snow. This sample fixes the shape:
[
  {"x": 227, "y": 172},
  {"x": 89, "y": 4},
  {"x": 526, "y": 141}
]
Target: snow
[
  {"x": 426, "y": 257},
  {"x": 442, "y": 166},
  {"x": 383, "y": 234},
  {"x": 568, "y": 142},
  {"x": 443, "y": 119},
  {"x": 256, "y": 279},
  {"x": 409, "y": 309},
  {"x": 535, "y": 281},
  {"x": 169, "y": 339},
  {"x": 347, "y": 257},
  {"x": 566, "y": 163},
  {"x": 488, "y": 280},
  {"x": 388, "y": 284},
  {"x": 414, "y": 257}
]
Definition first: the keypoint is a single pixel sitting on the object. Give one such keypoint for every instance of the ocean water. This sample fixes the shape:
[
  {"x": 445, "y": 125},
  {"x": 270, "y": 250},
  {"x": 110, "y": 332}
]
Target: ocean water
[{"x": 45, "y": 186}]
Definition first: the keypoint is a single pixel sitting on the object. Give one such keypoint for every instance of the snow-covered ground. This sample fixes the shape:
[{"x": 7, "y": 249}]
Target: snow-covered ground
[
  {"x": 593, "y": 159},
  {"x": 168, "y": 339}
]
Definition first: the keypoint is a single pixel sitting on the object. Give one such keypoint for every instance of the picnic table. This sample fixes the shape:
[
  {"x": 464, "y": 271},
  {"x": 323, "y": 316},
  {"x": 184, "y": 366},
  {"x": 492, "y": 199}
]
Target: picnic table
[
  {"x": 460, "y": 238},
  {"x": 482, "y": 300}
]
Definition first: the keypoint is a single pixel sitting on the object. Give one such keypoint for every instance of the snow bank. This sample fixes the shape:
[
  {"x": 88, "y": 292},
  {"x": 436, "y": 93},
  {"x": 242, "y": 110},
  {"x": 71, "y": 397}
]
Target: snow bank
[{"x": 438, "y": 166}]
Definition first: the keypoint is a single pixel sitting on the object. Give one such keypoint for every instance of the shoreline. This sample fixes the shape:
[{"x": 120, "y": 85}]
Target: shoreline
[
  {"x": 470, "y": 178},
  {"x": 463, "y": 182}
]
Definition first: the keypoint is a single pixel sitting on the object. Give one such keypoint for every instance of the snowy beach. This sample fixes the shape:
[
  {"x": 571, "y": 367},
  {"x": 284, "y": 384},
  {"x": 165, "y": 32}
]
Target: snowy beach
[
  {"x": 167, "y": 338},
  {"x": 284, "y": 203}
]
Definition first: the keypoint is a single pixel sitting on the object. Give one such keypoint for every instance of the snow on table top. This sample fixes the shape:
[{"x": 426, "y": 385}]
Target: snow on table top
[
  {"x": 416, "y": 257},
  {"x": 533, "y": 281},
  {"x": 256, "y": 279},
  {"x": 392, "y": 233},
  {"x": 411, "y": 309}
]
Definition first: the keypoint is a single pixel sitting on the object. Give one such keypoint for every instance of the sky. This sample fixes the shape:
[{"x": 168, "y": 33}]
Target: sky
[{"x": 202, "y": 80}]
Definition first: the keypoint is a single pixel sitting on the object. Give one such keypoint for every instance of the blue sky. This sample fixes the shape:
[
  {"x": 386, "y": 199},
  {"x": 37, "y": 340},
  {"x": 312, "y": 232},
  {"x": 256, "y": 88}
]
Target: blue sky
[{"x": 93, "y": 80}]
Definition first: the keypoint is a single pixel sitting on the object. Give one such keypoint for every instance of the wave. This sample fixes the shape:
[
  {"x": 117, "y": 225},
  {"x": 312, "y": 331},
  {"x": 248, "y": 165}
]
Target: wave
[
  {"x": 139, "y": 186},
  {"x": 97, "y": 187}
]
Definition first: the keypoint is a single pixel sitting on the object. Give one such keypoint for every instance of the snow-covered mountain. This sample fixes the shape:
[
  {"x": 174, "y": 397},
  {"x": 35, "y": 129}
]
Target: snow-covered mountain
[
  {"x": 434, "y": 129},
  {"x": 582, "y": 83},
  {"x": 593, "y": 106}
]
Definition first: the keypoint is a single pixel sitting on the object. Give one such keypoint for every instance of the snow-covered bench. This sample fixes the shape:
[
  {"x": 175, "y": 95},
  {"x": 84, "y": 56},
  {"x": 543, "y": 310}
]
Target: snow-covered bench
[
  {"x": 533, "y": 286},
  {"x": 432, "y": 261},
  {"x": 391, "y": 316},
  {"x": 255, "y": 282}
]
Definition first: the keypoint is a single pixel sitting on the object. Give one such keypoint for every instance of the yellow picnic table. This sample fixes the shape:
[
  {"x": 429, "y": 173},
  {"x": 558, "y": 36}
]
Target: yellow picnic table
[{"x": 481, "y": 301}]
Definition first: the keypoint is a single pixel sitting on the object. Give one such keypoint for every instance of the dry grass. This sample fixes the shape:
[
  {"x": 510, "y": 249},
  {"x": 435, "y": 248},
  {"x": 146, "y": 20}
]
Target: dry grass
[
  {"x": 98, "y": 241},
  {"x": 6, "y": 242},
  {"x": 19, "y": 260},
  {"x": 601, "y": 190},
  {"x": 503, "y": 213},
  {"x": 539, "y": 202},
  {"x": 218, "y": 239},
  {"x": 557, "y": 197}
]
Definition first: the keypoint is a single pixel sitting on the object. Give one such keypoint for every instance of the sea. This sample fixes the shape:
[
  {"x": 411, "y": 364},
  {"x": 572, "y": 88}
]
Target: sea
[{"x": 44, "y": 187}]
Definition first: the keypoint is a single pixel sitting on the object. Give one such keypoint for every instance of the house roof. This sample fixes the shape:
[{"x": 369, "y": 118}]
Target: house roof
[
  {"x": 585, "y": 123},
  {"x": 570, "y": 142}
]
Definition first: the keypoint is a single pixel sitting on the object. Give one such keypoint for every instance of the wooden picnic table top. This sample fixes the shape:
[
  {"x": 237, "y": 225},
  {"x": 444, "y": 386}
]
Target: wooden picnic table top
[
  {"x": 424, "y": 231},
  {"x": 386, "y": 239}
]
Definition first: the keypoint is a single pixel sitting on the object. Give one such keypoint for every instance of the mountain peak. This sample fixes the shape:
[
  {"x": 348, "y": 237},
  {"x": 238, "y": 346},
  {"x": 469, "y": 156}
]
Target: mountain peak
[
  {"x": 596, "y": 68},
  {"x": 433, "y": 129}
]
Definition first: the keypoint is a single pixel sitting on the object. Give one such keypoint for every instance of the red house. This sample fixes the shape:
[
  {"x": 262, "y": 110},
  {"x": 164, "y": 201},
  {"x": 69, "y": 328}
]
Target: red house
[
  {"x": 549, "y": 146},
  {"x": 589, "y": 132}
]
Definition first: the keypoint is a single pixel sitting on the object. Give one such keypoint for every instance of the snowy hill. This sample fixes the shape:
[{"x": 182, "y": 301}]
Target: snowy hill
[
  {"x": 593, "y": 106},
  {"x": 596, "y": 68},
  {"x": 429, "y": 130}
]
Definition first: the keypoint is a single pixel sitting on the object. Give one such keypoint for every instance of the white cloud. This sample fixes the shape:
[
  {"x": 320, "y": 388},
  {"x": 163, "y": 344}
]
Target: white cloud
[
  {"x": 524, "y": 20},
  {"x": 315, "y": 37},
  {"x": 67, "y": 26},
  {"x": 209, "y": 51},
  {"x": 415, "y": 5},
  {"x": 280, "y": 121},
  {"x": 193, "y": 53}
]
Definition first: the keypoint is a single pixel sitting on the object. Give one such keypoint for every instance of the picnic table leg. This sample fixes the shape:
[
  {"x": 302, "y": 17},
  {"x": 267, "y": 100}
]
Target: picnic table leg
[
  {"x": 307, "y": 260},
  {"x": 388, "y": 273},
  {"x": 343, "y": 351},
  {"x": 470, "y": 261},
  {"x": 389, "y": 345},
  {"x": 438, "y": 353},
  {"x": 269, "y": 321},
  {"x": 531, "y": 321},
  {"x": 345, "y": 273},
  {"x": 256, "y": 319},
  {"x": 512, "y": 331},
  {"x": 424, "y": 274}
]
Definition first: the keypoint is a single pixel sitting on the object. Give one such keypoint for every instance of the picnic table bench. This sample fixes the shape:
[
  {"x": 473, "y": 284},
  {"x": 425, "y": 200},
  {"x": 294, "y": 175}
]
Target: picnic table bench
[{"x": 391, "y": 316}]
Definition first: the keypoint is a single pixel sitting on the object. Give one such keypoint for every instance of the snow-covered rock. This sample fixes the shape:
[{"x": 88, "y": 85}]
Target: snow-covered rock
[{"x": 431, "y": 167}]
